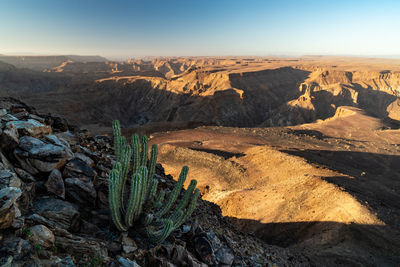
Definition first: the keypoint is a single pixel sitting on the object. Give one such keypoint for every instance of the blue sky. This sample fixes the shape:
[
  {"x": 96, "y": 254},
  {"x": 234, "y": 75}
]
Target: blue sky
[{"x": 118, "y": 29}]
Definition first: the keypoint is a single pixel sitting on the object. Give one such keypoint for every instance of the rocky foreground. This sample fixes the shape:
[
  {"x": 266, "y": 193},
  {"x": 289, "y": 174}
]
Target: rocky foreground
[{"x": 54, "y": 207}]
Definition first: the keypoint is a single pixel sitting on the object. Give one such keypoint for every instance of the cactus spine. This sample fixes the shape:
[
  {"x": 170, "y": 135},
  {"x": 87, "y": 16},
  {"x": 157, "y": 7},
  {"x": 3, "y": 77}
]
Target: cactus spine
[{"x": 144, "y": 202}]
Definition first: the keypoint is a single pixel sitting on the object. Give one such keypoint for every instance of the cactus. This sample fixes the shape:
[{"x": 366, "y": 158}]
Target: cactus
[{"x": 145, "y": 204}]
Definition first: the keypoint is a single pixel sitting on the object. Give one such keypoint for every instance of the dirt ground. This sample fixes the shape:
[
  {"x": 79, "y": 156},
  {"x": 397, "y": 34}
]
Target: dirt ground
[{"x": 330, "y": 189}]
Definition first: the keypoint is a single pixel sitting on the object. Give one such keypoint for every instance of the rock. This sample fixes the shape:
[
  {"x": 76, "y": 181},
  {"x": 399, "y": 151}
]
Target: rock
[
  {"x": 192, "y": 261},
  {"x": 41, "y": 235},
  {"x": 23, "y": 115},
  {"x": 32, "y": 128},
  {"x": 88, "y": 228},
  {"x": 9, "y": 179},
  {"x": 77, "y": 245},
  {"x": 36, "y": 118},
  {"x": 3, "y": 112},
  {"x": 214, "y": 240},
  {"x": 55, "y": 184},
  {"x": 225, "y": 256},
  {"x": 60, "y": 124},
  {"x": 19, "y": 221},
  {"x": 128, "y": 245},
  {"x": 16, "y": 247},
  {"x": 173, "y": 255},
  {"x": 186, "y": 229},
  {"x": 6, "y": 261},
  {"x": 63, "y": 214},
  {"x": 114, "y": 247},
  {"x": 59, "y": 141},
  {"x": 66, "y": 262},
  {"x": 85, "y": 159},
  {"x": 18, "y": 107},
  {"x": 36, "y": 156},
  {"x": 24, "y": 176},
  {"x": 8, "y": 207},
  {"x": 81, "y": 190},
  {"x": 205, "y": 250},
  {"x": 70, "y": 138},
  {"x": 8, "y": 118},
  {"x": 28, "y": 194},
  {"x": 37, "y": 219},
  {"x": 78, "y": 168},
  {"x": 127, "y": 263},
  {"x": 9, "y": 138},
  {"x": 4, "y": 162}
]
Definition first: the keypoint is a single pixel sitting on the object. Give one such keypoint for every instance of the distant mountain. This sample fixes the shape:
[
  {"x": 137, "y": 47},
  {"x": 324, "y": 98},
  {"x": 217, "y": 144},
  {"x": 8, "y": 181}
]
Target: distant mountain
[{"x": 41, "y": 63}]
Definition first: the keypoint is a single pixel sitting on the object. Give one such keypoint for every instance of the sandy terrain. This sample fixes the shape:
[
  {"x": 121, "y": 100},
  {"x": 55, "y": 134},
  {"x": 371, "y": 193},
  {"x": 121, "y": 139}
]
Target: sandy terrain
[{"x": 325, "y": 188}]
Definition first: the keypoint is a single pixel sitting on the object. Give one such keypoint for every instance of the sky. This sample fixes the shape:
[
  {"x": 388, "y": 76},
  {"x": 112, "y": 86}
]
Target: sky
[{"x": 126, "y": 29}]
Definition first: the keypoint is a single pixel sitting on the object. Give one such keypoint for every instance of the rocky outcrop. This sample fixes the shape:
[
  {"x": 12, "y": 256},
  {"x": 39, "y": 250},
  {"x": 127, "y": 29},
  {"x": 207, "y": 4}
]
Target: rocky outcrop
[
  {"x": 55, "y": 184},
  {"x": 8, "y": 206},
  {"x": 35, "y": 155},
  {"x": 54, "y": 211},
  {"x": 31, "y": 127},
  {"x": 60, "y": 213},
  {"x": 41, "y": 235}
]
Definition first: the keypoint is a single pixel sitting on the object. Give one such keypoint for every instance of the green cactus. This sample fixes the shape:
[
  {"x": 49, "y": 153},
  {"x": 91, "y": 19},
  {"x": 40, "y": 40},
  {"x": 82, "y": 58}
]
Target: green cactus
[{"x": 145, "y": 204}]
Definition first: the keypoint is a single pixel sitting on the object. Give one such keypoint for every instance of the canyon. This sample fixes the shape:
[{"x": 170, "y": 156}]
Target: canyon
[{"x": 300, "y": 152}]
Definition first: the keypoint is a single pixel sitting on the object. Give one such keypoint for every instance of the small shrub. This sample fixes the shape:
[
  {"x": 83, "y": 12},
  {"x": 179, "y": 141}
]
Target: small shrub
[
  {"x": 38, "y": 249},
  {"x": 26, "y": 232}
]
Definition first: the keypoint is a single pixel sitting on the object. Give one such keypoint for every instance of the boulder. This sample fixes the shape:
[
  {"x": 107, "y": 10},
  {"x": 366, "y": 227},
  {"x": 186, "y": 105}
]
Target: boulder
[
  {"x": 35, "y": 156},
  {"x": 55, "y": 184},
  {"x": 4, "y": 162},
  {"x": 22, "y": 116},
  {"x": 9, "y": 179},
  {"x": 128, "y": 245},
  {"x": 17, "y": 248},
  {"x": 127, "y": 263},
  {"x": 78, "y": 168},
  {"x": 65, "y": 262},
  {"x": 8, "y": 118},
  {"x": 37, "y": 219},
  {"x": 9, "y": 137},
  {"x": 204, "y": 249},
  {"x": 85, "y": 159},
  {"x": 225, "y": 256},
  {"x": 24, "y": 175},
  {"x": 62, "y": 213},
  {"x": 31, "y": 127},
  {"x": 3, "y": 112},
  {"x": 40, "y": 234},
  {"x": 60, "y": 124},
  {"x": 8, "y": 206},
  {"x": 81, "y": 190},
  {"x": 59, "y": 141},
  {"x": 37, "y": 118},
  {"x": 77, "y": 245}
]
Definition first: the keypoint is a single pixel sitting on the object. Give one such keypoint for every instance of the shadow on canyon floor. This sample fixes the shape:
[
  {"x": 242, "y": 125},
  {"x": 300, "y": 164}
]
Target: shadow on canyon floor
[
  {"x": 374, "y": 179},
  {"x": 330, "y": 243}
]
